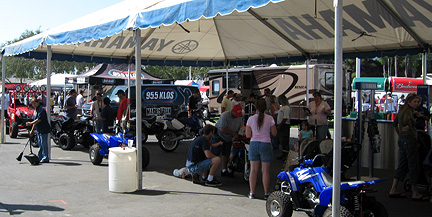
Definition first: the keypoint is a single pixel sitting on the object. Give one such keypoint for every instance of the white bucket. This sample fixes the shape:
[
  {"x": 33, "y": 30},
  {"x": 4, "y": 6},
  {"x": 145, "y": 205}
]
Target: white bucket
[{"x": 122, "y": 170}]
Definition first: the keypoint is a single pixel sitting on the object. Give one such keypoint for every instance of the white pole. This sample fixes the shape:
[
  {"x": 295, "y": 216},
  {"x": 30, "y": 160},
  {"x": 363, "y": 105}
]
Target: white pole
[
  {"x": 190, "y": 72},
  {"x": 337, "y": 108},
  {"x": 2, "y": 139},
  {"x": 396, "y": 66},
  {"x": 424, "y": 66},
  {"x": 128, "y": 83},
  {"x": 307, "y": 83},
  {"x": 48, "y": 98},
  {"x": 358, "y": 67},
  {"x": 227, "y": 88},
  {"x": 138, "y": 104}
]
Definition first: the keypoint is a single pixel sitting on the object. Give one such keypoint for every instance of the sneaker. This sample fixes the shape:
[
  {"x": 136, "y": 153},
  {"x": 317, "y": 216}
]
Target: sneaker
[
  {"x": 195, "y": 179},
  {"x": 227, "y": 173},
  {"x": 251, "y": 196},
  {"x": 213, "y": 183}
]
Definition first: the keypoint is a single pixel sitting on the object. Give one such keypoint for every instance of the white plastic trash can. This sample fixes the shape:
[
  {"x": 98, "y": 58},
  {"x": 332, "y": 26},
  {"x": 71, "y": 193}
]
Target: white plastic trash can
[{"x": 122, "y": 170}]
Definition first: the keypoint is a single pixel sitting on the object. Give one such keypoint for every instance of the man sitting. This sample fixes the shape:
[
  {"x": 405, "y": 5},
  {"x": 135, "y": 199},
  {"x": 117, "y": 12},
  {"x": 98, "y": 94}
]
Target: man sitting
[{"x": 200, "y": 160}]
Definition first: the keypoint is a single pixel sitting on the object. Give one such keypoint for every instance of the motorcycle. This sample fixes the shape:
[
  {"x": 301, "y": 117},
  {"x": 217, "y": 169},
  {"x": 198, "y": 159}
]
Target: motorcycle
[
  {"x": 177, "y": 129},
  {"x": 308, "y": 188},
  {"x": 106, "y": 140},
  {"x": 152, "y": 126},
  {"x": 66, "y": 133}
]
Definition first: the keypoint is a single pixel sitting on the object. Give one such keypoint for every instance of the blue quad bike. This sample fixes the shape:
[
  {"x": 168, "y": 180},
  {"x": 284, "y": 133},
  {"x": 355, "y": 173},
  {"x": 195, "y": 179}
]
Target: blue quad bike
[
  {"x": 105, "y": 141},
  {"x": 308, "y": 188}
]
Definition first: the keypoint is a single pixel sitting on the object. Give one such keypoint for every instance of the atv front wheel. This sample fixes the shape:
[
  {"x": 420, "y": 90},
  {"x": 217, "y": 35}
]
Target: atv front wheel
[
  {"x": 279, "y": 204},
  {"x": 94, "y": 155},
  {"x": 145, "y": 157}
]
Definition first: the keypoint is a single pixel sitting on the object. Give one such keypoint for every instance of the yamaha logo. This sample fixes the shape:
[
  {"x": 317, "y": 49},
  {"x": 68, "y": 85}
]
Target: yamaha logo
[{"x": 184, "y": 47}]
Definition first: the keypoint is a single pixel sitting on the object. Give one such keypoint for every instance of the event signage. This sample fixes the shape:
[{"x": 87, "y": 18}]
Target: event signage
[
  {"x": 159, "y": 95},
  {"x": 405, "y": 84}
]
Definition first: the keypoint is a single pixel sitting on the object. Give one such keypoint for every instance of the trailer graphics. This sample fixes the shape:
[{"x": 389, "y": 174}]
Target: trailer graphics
[{"x": 290, "y": 81}]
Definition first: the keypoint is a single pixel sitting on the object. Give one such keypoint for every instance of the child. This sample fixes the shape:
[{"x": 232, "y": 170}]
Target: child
[{"x": 305, "y": 132}]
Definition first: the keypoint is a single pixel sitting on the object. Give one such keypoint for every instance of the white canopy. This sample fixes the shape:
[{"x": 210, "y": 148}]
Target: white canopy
[
  {"x": 211, "y": 32},
  {"x": 57, "y": 80}
]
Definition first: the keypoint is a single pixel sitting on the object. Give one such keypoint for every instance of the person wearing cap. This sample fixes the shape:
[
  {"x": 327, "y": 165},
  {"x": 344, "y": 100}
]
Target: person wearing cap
[
  {"x": 95, "y": 111},
  {"x": 227, "y": 127},
  {"x": 70, "y": 105},
  {"x": 259, "y": 127},
  {"x": 122, "y": 110},
  {"x": 40, "y": 122}
]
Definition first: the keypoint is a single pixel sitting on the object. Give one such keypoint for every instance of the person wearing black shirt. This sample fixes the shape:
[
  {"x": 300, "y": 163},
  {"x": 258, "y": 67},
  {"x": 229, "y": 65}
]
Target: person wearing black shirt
[
  {"x": 193, "y": 102},
  {"x": 107, "y": 117}
]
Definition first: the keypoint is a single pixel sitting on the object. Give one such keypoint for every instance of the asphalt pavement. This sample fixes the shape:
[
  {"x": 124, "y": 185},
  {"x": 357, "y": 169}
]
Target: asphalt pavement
[{"x": 70, "y": 185}]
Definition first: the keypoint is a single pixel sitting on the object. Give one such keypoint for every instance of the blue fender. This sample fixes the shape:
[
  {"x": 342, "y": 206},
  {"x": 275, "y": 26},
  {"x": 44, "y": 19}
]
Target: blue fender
[
  {"x": 103, "y": 143},
  {"x": 326, "y": 194}
]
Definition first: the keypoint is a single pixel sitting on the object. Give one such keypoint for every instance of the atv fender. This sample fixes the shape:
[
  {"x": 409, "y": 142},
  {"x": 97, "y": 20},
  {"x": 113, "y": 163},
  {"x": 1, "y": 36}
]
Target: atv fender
[{"x": 326, "y": 196}]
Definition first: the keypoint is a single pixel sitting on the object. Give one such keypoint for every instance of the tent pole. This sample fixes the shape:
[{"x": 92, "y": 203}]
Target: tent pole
[
  {"x": 424, "y": 66},
  {"x": 128, "y": 82},
  {"x": 48, "y": 98},
  {"x": 2, "y": 139},
  {"x": 307, "y": 83},
  {"x": 337, "y": 108},
  {"x": 138, "y": 104}
]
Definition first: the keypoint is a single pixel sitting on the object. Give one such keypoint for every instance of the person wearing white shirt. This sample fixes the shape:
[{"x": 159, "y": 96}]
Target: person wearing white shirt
[{"x": 80, "y": 101}]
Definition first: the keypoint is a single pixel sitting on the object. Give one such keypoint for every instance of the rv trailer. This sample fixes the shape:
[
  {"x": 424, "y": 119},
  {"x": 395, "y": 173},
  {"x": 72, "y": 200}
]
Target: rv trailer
[{"x": 282, "y": 80}]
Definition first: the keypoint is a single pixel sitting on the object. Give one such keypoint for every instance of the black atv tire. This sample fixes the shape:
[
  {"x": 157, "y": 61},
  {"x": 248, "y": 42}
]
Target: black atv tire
[
  {"x": 66, "y": 141},
  {"x": 344, "y": 212},
  {"x": 246, "y": 172},
  {"x": 7, "y": 126},
  {"x": 13, "y": 130},
  {"x": 279, "y": 204},
  {"x": 94, "y": 155},
  {"x": 407, "y": 185},
  {"x": 145, "y": 157},
  {"x": 166, "y": 141},
  {"x": 374, "y": 208}
]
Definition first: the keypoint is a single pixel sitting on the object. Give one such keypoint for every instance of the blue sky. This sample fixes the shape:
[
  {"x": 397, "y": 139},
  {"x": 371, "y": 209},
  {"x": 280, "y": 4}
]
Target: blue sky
[{"x": 19, "y": 15}]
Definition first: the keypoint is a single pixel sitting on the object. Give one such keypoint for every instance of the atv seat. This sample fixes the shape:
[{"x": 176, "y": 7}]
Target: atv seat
[{"x": 328, "y": 180}]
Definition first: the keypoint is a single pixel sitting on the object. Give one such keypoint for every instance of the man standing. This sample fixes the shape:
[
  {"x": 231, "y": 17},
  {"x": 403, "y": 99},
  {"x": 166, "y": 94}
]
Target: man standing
[
  {"x": 40, "y": 120},
  {"x": 107, "y": 117},
  {"x": 95, "y": 112},
  {"x": 193, "y": 102},
  {"x": 201, "y": 161},
  {"x": 70, "y": 104},
  {"x": 80, "y": 101},
  {"x": 122, "y": 110},
  {"x": 267, "y": 94},
  {"x": 226, "y": 102},
  {"x": 227, "y": 127}
]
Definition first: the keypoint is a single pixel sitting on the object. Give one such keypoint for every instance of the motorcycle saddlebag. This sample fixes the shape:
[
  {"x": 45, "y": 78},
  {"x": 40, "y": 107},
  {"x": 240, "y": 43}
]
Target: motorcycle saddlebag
[{"x": 32, "y": 158}]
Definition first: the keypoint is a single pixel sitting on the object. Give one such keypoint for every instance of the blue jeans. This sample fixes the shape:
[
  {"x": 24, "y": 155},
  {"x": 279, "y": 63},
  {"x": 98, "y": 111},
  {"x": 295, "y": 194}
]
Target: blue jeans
[
  {"x": 43, "y": 146},
  {"x": 260, "y": 151},
  {"x": 201, "y": 167},
  {"x": 408, "y": 159},
  {"x": 321, "y": 132}
]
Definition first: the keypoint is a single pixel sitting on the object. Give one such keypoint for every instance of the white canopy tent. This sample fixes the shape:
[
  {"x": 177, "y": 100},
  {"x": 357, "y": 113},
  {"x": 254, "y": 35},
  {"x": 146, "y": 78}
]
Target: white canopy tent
[
  {"x": 225, "y": 32},
  {"x": 57, "y": 80}
]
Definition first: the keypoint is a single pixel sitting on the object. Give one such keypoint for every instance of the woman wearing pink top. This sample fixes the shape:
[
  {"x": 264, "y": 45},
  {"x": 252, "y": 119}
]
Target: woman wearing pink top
[
  {"x": 258, "y": 128},
  {"x": 318, "y": 120}
]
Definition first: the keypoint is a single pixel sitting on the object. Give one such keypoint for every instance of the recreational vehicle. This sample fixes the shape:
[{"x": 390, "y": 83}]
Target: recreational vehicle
[{"x": 287, "y": 80}]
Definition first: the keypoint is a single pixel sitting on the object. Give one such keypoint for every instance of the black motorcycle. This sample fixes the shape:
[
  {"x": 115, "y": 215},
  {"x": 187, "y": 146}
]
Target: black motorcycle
[{"x": 66, "y": 133}]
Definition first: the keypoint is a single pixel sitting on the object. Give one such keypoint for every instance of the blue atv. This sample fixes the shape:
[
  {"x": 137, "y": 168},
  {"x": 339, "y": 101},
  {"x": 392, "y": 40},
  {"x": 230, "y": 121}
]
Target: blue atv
[{"x": 105, "y": 141}]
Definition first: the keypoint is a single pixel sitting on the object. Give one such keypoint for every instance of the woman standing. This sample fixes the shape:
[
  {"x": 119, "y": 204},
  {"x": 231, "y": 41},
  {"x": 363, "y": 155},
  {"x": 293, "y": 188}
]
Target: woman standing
[
  {"x": 408, "y": 149},
  {"x": 318, "y": 119},
  {"x": 258, "y": 128}
]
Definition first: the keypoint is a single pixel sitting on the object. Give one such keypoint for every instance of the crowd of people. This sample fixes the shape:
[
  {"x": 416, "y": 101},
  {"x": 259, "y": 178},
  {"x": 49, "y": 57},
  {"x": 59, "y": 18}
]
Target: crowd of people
[{"x": 267, "y": 123}]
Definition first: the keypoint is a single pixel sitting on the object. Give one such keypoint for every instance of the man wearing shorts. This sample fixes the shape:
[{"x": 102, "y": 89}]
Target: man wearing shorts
[{"x": 201, "y": 161}]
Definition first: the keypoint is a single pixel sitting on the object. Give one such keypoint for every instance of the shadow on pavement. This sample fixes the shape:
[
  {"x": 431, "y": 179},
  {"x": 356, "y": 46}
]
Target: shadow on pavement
[
  {"x": 16, "y": 209},
  {"x": 159, "y": 192}
]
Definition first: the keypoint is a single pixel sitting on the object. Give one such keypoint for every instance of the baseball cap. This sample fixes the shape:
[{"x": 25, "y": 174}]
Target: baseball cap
[
  {"x": 120, "y": 91},
  {"x": 237, "y": 109}
]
